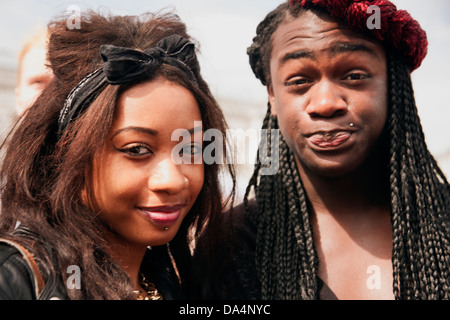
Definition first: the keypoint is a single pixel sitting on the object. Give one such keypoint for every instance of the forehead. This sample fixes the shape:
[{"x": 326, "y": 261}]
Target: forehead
[
  {"x": 317, "y": 32},
  {"x": 157, "y": 104}
]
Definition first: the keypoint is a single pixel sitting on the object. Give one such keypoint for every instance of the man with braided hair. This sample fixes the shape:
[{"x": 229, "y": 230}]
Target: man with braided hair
[{"x": 358, "y": 209}]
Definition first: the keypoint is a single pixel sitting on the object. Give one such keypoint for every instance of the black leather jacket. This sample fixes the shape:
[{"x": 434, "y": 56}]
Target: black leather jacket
[{"x": 18, "y": 282}]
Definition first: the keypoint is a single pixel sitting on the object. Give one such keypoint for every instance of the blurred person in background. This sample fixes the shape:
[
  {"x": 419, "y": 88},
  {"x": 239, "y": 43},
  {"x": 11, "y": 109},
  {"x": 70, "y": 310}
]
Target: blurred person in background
[{"x": 34, "y": 72}]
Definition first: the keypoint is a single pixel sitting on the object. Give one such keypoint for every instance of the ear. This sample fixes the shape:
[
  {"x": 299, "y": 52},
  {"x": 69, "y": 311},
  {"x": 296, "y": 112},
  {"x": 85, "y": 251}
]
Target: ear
[{"x": 273, "y": 108}]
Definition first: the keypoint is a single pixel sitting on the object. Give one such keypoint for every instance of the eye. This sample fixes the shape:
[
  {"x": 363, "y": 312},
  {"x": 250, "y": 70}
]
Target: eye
[
  {"x": 355, "y": 76},
  {"x": 191, "y": 150},
  {"x": 136, "y": 150},
  {"x": 298, "y": 81}
]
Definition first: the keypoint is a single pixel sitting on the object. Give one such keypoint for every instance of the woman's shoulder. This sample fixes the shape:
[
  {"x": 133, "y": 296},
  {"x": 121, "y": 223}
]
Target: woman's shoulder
[
  {"x": 16, "y": 276},
  {"x": 24, "y": 276}
]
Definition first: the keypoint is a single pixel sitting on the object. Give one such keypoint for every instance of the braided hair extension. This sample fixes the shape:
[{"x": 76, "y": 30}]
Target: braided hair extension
[
  {"x": 420, "y": 199},
  {"x": 286, "y": 259}
]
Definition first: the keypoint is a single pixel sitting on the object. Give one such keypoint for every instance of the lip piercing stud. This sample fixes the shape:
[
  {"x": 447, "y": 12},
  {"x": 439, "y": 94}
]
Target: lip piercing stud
[
  {"x": 166, "y": 228},
  {"x": 351, "y": 124}
]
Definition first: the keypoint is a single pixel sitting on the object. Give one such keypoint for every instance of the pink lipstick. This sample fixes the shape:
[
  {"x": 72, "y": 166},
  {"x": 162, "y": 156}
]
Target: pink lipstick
[{"x": 163, "y": 215}]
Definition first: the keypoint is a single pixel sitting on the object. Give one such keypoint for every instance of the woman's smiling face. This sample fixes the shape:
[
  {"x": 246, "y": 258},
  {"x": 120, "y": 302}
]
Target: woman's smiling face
[
  {"x": 329, "y": 91},
  {"x": 138, "y": 191}
]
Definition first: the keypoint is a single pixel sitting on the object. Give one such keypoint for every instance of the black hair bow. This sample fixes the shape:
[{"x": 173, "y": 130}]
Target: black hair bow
[{"x": 124, "y": 65}]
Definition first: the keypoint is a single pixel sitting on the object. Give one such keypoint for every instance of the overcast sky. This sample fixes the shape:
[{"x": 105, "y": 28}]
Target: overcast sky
[{"x": 225, "y": 28}]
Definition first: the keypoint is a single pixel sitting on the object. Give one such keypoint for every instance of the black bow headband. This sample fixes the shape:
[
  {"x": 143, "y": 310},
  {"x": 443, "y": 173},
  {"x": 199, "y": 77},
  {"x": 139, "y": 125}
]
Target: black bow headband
[{"x": 124, "y": 65}]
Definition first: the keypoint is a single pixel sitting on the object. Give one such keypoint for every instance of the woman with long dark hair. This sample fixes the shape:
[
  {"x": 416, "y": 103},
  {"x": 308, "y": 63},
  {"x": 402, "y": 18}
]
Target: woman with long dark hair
[{"x": 90, "y": 188}]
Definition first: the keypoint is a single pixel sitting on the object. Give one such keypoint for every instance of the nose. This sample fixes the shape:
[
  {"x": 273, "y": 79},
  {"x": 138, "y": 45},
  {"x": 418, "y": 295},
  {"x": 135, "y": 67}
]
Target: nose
[
  {"x": 326, "y": 101},
  {"x": 167, "y": 177}
]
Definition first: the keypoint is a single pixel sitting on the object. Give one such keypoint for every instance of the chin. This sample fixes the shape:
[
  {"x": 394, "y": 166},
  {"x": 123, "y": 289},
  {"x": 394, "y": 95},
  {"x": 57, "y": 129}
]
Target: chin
[
  {"x": 161, "y": 238},
  {"x": 334, "y": 168},
  {"x": 158, "y": 243},
  {"x": 334, "y": 173}
]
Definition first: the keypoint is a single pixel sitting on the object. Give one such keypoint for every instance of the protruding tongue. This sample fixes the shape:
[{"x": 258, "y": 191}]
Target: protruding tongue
[{"x": 329, "y": 139}]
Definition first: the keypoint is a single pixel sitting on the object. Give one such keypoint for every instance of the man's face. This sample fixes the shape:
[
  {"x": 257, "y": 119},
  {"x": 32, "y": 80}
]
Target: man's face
[{"x": 329, "y": 92}]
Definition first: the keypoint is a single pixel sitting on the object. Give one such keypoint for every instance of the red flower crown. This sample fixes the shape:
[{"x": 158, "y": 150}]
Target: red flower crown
[{"x": 398, "y": 30}]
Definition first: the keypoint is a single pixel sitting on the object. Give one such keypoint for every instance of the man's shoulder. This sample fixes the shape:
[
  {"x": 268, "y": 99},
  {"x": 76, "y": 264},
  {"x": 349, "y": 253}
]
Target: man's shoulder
[
  {"x": 241, "y": 274},
  {"x": 243, "y": 217}
]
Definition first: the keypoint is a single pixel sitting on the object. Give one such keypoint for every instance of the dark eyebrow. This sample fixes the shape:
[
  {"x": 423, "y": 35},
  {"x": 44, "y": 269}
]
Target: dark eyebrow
[
  {"x": 338, "y": 48},
  {"x": 148, "y": 131},
  {"x": 138, "y": 129},
  {"x": 343, "y": 47},
  {"x": 298, "y": 55}
]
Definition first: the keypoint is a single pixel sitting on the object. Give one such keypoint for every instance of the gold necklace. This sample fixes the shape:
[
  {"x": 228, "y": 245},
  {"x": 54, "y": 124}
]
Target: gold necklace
[{"x": 150, "y": 289}]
